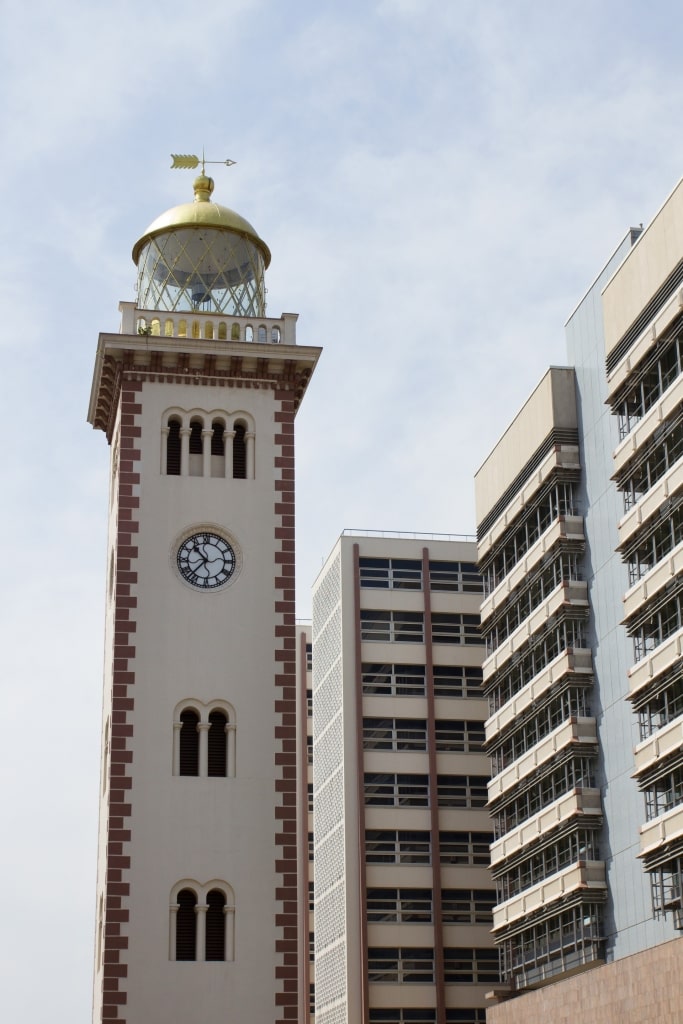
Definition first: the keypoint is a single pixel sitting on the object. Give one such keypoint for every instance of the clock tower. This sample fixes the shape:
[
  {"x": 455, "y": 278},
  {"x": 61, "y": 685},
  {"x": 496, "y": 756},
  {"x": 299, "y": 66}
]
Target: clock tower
[{"x": 197, "y": 877}]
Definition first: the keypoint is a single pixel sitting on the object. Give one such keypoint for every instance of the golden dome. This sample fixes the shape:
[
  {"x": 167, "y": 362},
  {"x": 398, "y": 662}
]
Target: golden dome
[{"x": 202, "y": 213}]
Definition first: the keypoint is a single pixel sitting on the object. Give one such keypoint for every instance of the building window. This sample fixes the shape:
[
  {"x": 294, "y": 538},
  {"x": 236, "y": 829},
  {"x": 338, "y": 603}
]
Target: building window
[
  {"x": 173, "y": 448},
  {"x": 461, "y": 577},
  {"x": 186, "y": 926},
  {"x": 392, "y": 626},
  {"x": 470, "y": 966},
  {"x": 386, "y": 789},
  {"x": 396, "y": 847},
  {"x": 465, "y": 847},
  {"x": 239, "y": 453},
  {"x": 457, "y": 681},
  {"x": 406, "y": 965},
  {"x": 462, "y": 790},
  {"x": 189, "y": 743},
  {"x": 394, "y": 734},
  {"x": 400, "y": 905},
  {"x": 467, "y": 906},
  {"x": 202, "y": 922},
  {"x": 391, "y": 573},
  {"x": 402, "y": 1016},
  {"x": 235, "y": 332},
  {"x": 204, "y": 739},
  {"x": 393, "y": 680}
]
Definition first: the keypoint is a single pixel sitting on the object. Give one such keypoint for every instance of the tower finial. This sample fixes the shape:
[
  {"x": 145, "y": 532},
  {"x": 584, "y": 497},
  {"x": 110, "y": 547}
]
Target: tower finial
[{"x": 203, "y": 185}]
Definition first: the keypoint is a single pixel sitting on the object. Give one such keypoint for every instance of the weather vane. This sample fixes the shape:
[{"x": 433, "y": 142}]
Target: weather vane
[{"x": 187, "y": 161}]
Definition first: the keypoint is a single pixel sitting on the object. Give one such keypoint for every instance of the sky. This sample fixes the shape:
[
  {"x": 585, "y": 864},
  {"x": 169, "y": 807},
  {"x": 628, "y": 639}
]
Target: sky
[{"x": 439, "y": 182}]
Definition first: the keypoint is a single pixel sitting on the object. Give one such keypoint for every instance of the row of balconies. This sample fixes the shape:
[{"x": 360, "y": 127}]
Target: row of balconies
[
  {"x": 573, "y": 593},
  {"x": 660, "y": 323},
  {"x": 574, "y": 731},
  {"x": 642, "y": 432},
  {"x": 561, "y": 457},
  {"x": 653, "y": 581},
  {"x": 568, "y": 528}
]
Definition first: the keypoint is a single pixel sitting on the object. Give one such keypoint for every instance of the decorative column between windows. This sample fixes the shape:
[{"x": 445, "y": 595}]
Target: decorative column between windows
[
  {"x": 163, "y": 455},
  {"x": 207, "y": 435},
  {"x": 230, "y": 740},
  {"x": 228, "y": 438},
  {"x": 249, "y": 438},
  {"x": 203, "y": 730},
  {"x": 200, "y": 912},
  {"x": 172, "y": 930}
]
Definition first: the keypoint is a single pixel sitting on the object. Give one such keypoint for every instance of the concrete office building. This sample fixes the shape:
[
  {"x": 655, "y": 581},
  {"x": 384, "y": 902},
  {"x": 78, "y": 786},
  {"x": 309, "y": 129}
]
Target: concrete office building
[
  {"x": 403, "y": 893},
  {"x": 578, "y": 511},
  {"x": 197, "y": 890}
]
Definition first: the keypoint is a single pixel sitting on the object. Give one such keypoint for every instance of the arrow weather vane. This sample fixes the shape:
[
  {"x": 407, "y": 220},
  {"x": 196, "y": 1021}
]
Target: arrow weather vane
[{"x": 187, "y": 161}]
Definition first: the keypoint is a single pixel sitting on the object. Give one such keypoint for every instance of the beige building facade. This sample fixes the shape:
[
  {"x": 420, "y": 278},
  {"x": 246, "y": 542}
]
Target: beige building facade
[{"x": 403, "y": 894}]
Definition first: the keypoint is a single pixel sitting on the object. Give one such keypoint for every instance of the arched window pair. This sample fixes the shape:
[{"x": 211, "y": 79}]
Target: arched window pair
[
  {"x": 202, "y": 922},
  {"x": 204, "y": 740},
  {"x": 201, "y": 446}
]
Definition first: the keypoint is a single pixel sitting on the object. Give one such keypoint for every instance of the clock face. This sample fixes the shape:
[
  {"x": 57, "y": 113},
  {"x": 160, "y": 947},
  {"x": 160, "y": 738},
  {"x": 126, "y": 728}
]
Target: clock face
[{"x": 206, "y": 560}]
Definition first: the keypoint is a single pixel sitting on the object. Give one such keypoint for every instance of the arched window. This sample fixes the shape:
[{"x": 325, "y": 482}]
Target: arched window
[
  {"x": 182, "y": 328},
  {"x": 168, "y": 328},
  {"x": 215, "y": 925},
  {"x": 218, "y": 745},
  {"x": 262, "y": 335},
  {"x": 196, "y": 333},
  {"x": 202, "y": 921},
  {"x": 173, "y": 448},
  {"x": 208, "y": 330},
  {"x": 235, "y": 332},
  {"x": 196, "y": 448},
  {"x": 156, "y": 326},
  {"x": 275, "y": 335},
  {"x": 204, "y": 739},
  {"x": 239, "y": 453},
  {"x": 248, "y": 333},
  {"x": 196, "y": 437},
  {"x": 222, "y": 332},
  {"x": 217, "y": 442},
  {"x": 189, "y": 743},
  {"x": 186, "y": 926}
]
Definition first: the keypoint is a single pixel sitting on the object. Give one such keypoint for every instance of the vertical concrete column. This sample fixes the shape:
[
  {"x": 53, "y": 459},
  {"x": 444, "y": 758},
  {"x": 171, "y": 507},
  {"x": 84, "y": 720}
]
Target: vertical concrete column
[
  {"x": 172, "y": 924},
  {"x": 231, "y": 739},
  {"x": 207, "y": 435},
  {"x": 177, "y": 726},
  {"x": 164, "y": 448},
  {"x": 228, "y": 438},
  {"x": 229, "y": 920},
  {"x": 200, "y": 921}
]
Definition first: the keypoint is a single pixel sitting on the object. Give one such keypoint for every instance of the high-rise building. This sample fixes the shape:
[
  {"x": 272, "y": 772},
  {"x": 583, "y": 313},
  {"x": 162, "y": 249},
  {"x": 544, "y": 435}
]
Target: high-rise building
[
  {"x": 578, "y": 510},
  {"x": 197, "y": 877},
  {"x": 403, "y": 892}
]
